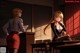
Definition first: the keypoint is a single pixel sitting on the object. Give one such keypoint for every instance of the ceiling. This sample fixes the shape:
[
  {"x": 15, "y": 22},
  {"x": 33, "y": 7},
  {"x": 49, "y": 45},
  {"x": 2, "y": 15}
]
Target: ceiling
[{"x": 37, "y": 2}]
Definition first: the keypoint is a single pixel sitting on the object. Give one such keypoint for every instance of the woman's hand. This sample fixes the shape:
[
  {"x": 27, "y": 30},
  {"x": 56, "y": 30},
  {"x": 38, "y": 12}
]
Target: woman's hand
[{"x": 64, "y": 33}]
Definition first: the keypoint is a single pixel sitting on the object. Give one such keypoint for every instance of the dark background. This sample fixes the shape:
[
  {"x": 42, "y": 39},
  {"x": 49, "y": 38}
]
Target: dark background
[{"x": 36, "y": 15}]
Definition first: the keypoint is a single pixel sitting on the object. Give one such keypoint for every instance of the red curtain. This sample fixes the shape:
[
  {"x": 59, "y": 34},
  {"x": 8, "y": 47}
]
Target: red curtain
[{"x": 72, "y": 15}]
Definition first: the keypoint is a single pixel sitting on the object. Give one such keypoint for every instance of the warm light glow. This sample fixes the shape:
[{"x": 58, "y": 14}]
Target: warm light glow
[
  {"x": 33, "y": 29},
  {"x": 39, "y": 33}
]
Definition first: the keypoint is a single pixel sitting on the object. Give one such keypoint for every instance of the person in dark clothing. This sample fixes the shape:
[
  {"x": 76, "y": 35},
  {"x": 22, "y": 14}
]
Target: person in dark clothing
[{"x": 58, "y": 27}]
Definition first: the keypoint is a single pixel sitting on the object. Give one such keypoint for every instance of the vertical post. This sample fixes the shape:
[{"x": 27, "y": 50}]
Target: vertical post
[{"x": 32, "y": 20}]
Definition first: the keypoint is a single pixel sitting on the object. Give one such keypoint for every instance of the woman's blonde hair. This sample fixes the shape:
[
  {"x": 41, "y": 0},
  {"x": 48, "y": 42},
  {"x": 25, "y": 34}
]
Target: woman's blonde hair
[
  {"x": 55, "y": 15},
  {"x": 58, "y": 14}
]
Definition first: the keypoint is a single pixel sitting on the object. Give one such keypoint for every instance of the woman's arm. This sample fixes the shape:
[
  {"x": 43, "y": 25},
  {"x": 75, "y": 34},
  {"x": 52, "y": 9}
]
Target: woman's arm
[
  {"x": 5, "y": 27},
  {"x": 21, "y": 25}
]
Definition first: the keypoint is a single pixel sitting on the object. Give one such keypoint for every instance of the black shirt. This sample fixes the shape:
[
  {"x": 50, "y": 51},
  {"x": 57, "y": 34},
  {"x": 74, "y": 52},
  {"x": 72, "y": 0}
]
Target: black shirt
[{"x": 54, "y": 29}]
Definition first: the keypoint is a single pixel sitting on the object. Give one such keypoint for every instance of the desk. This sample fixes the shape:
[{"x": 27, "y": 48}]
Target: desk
[
  {"x": 40, "y": 48},
  {"x": 26, "y": 39},
  {"x": 63, "y": 46},
  {"x": 69, "y": 47}
]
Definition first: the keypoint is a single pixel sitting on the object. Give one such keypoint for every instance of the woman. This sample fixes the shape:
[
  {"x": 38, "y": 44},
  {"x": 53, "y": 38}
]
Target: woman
[
  {"x": 58, "y": 27},
  {"x": 12, "y": 28}
]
